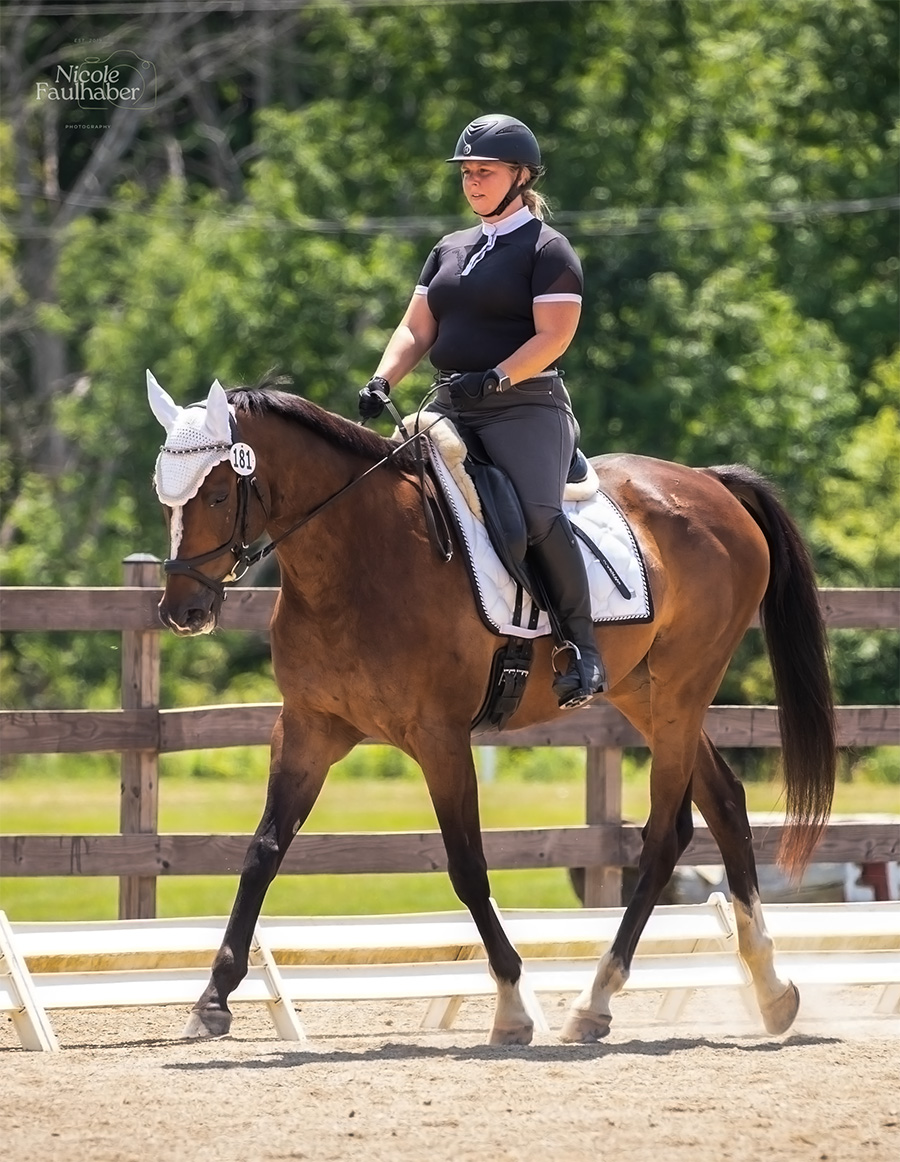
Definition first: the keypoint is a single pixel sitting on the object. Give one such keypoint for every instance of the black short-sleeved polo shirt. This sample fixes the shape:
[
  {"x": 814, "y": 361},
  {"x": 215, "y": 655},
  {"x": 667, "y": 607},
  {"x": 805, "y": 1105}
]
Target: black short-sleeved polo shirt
[{"x": 481, "y": 285}]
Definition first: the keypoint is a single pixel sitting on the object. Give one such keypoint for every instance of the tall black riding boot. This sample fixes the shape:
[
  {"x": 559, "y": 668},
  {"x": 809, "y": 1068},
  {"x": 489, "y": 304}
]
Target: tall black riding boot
[{"x": 563, "y": 576}]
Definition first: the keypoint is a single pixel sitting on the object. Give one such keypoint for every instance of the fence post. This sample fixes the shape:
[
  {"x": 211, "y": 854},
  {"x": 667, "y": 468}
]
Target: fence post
[
  {"x": 139, "y": 804},
  {"x": 603, "y": 804}
]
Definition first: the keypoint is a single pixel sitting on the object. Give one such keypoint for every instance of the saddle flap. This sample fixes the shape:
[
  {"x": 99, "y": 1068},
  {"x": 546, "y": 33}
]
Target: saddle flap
[{"x": 503, "y": 519}]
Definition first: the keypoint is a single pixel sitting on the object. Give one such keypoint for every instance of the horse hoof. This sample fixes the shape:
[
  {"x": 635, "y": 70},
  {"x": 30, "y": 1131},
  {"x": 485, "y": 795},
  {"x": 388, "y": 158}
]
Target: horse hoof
[
  {"x": 207, "y": 1023},
  {"x": 779, "y": 1015},
  {"x": 519, "y": 1036},
  {"x": 581, "y": 1028}
]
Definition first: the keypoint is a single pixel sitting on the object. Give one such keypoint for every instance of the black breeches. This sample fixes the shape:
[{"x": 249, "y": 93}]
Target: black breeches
[{"x": 530, "y": 434}]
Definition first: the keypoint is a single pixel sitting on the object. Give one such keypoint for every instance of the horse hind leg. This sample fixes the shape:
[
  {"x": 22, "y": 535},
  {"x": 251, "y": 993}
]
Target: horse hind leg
[
  {"x": 301, "y": 757},
  {"x": 450, "y": 775},
  {"x": 720, "y": 798}
]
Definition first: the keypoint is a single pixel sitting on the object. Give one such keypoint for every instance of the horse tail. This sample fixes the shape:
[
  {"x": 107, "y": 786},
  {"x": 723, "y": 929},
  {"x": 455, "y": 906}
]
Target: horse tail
[{"x": 798, "y": 651}]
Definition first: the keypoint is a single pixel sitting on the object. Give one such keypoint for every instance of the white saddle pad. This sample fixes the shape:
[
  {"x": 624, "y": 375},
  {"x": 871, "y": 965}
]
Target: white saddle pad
[{"x": 497, "y": 593}]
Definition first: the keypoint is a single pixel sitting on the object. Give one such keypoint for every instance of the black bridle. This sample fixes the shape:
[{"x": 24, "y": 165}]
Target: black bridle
[{"x": 237, "y": 543}]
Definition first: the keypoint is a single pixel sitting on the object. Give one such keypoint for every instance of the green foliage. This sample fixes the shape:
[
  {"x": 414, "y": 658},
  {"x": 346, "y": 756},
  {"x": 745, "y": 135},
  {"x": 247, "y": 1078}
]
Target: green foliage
[
  {"x": 880, "y": 765},
  {"x": 775, "y": 374},
  {"x": 540, "y": 764},
  {"x": 856, "y": 526},
  {"x": 377, "y": 762}
]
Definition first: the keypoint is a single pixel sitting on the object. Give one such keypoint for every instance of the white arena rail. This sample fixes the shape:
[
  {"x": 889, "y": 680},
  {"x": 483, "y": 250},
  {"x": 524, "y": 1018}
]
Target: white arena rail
[
  {"x": 837, "y": 944},
  {"x": 101, "y": 964},
  {"x": 438, "y": 957}
]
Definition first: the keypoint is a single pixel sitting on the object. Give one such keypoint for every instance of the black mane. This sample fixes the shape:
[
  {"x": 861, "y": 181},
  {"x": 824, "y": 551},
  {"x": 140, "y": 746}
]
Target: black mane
[{"x": 265, "y": 400}]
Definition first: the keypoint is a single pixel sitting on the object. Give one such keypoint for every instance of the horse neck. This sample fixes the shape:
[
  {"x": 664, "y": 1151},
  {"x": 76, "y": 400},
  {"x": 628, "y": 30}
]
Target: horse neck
[{"x": 302, "y": 471}]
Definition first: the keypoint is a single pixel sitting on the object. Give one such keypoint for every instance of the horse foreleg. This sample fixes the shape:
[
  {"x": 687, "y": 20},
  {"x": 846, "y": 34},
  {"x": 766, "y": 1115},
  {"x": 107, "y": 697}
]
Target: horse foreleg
[
  {"x": 450, "y": 774},
  {"x": 721, "y": 800},
  {"x": 301, "y": 757},
  {"x": 666, "y": 835}
]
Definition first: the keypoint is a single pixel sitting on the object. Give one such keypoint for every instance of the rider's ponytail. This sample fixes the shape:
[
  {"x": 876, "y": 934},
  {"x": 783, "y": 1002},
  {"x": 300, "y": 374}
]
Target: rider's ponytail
[{"x": 537, "y": 204}]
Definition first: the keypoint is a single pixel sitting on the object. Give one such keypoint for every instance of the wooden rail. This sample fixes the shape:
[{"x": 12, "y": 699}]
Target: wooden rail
[
  {"x": 132, "y": 607},
  {"x": 250, "y": 724},
  {"x": 590, "y": 845},
  {"x": 141, "y": 730}
]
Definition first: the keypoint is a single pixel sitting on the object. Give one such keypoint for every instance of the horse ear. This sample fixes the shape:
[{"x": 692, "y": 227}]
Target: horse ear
[
  {"x": 218, "y": 416},
  {"x": 162, "y": 405}
]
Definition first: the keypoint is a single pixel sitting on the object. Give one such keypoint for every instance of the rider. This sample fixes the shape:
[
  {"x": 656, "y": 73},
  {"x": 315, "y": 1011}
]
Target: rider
[{"x": 496, "y": 306}]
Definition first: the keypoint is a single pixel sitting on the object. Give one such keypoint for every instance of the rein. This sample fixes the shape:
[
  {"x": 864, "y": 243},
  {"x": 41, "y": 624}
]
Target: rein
[{"x": 237, "y": 542}]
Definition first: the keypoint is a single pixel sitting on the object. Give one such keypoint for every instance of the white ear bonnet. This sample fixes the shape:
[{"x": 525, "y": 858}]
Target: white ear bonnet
[{"x": 197, "y": 438}]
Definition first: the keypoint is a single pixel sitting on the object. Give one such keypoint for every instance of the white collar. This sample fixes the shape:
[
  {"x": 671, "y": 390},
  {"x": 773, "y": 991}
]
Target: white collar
[{"x": 507, "y": 225}]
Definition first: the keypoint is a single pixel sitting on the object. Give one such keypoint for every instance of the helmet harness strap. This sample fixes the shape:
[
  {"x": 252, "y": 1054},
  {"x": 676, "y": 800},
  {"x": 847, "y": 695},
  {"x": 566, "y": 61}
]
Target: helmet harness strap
[{"x": 514, "y": 191}]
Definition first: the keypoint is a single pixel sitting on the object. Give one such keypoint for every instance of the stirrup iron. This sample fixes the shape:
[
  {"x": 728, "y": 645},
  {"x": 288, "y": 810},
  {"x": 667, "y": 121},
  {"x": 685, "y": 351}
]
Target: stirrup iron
[
  {"x": 583, "y": 693},
  {"x": 562, "y": 648}
]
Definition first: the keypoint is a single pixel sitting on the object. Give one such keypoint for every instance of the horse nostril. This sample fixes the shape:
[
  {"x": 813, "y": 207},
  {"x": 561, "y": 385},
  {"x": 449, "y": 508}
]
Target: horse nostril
[{"x": 184, "y": 621}]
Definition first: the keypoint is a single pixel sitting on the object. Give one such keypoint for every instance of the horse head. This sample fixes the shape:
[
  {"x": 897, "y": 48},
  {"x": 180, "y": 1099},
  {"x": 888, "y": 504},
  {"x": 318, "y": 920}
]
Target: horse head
[{"x": 204, "y": 479}]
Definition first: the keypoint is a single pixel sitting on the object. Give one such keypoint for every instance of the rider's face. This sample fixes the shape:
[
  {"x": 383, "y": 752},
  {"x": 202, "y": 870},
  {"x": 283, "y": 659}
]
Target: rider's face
[{"x": 486, "y": 183}]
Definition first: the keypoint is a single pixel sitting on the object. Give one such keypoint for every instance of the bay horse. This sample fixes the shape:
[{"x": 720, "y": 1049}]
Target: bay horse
[{"x": 375, "y": 636}]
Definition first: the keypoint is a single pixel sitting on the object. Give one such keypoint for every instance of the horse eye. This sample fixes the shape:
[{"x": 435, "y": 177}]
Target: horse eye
[{"x": 219, "y": 498}]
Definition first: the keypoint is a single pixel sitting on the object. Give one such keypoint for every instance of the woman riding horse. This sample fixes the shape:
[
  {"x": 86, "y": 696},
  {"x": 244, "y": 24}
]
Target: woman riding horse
[
  {"x": 496, "y": 306},
  {"x": 718, "y": 547}
]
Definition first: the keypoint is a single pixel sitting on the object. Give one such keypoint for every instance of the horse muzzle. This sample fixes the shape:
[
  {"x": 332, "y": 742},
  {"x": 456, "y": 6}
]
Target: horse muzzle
[{"x": 190, "y": 614}]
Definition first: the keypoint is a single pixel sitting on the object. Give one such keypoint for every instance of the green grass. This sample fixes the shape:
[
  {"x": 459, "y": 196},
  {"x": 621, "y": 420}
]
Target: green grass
[{"x": 46, "y": 801}]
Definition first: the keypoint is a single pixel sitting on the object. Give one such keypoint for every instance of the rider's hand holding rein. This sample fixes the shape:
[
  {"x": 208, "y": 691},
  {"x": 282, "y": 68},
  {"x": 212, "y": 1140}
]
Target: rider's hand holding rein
[{"x": 370, "y": 405}]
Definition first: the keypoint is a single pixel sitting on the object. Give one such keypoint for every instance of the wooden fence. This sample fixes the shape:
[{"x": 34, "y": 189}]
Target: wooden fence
[{"x": 141, "y": 730}]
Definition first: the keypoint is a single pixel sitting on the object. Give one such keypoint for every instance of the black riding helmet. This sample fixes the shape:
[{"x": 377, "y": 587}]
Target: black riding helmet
[{"x": 499, "y": 137}]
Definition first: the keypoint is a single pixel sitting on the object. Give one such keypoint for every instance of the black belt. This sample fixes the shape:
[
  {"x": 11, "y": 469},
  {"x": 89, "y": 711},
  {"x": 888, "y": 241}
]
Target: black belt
[{"x": 441, "y": 376}]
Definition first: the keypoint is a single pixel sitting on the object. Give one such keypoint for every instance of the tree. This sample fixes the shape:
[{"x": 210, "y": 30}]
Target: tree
[{"x": 68, "y": 151}]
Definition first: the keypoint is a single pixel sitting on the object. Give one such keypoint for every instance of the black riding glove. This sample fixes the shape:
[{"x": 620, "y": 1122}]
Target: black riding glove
[
  {"x": 469, "y": 386},
  {"x": 370, "y": 406}
]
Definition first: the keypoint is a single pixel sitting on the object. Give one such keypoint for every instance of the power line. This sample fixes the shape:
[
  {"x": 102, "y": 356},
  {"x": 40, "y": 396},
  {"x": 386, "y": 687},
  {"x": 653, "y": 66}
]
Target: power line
[
  {"x": 680, "y": 218},
  {"x": 612, "y": 221},
  {"x": 233, "y": 7}
]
